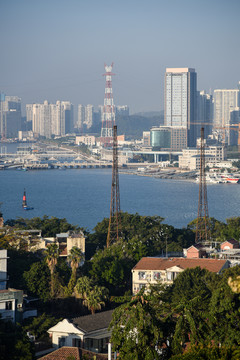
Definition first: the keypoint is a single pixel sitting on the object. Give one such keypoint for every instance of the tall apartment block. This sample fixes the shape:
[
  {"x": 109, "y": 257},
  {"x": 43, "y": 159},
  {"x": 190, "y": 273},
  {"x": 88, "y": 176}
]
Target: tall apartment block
[
  {"x": 180, "y": 108},
  {"x": 205, "y": 111},
  {"x": 10, "y": 116},
  {"x": 88, "y": 121},
  {"x": 225, "y": 101},
  {"x": 51, "y": 119},
  {"x": 81, "y": 117}
]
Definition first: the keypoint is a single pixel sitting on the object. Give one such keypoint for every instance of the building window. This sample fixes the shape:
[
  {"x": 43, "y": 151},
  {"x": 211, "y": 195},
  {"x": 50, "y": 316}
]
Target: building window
[
  {"x": 156, "y": 275},
  {"x": 141, "y": 275},
  {"x": 61, "y": 341},
  {"x": 8, "y": 305},
  {"x": 141, "y": 286},
  {"x": 76, "y": 342},
  {"x": 171, "y": 275}
]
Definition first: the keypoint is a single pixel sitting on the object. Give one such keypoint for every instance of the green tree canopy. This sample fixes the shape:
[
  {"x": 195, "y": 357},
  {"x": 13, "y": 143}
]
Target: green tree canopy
[
  {"x": 37, "y": 280},
  {"x": 49, "y": 226}
]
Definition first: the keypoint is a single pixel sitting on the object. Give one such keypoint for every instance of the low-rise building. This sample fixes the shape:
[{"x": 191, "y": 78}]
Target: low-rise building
[
  {"x": 11, "y": 303},
  {"x": 230, "y": 244},
  {"x": 150, "y": 270},
  {"x": 88, "y": 140},
  {"x": 89, "y": 332},
  {"x": 190, "y": 158}
]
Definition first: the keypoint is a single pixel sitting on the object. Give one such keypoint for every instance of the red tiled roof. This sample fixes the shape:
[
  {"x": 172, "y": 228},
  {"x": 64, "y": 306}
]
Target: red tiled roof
[
  {"x": 148, "y": 263},
  {"x": 231, "y": 241},
  {"x": 63, "y": 354}
]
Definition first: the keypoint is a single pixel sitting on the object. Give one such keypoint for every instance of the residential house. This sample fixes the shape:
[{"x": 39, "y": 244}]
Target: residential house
[
  {"x": 195, "y": 252},
  {"x": 11, "y": 303},
  {"x": 230, "y": 244},
  {"x": 66, "y": 241},
  {"x": 89, "y": 332},
  {"x": 150, "y": 270}
]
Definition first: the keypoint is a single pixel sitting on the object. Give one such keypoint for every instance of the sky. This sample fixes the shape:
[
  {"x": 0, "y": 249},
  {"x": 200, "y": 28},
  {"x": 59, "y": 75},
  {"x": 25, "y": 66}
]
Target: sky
[{"x": 55, "y": 50}]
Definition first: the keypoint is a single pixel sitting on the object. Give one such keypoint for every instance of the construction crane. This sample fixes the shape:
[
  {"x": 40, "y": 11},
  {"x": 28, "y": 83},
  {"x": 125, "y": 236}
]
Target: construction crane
[{"x": 226, "y": 127}]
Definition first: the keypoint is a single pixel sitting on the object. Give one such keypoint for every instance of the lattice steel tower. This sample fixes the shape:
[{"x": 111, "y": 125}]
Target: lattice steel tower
[
  {"x": 108, "y": 113},
  {"x": 114, "y": 228},
  {"x": 202, "y": 227}
]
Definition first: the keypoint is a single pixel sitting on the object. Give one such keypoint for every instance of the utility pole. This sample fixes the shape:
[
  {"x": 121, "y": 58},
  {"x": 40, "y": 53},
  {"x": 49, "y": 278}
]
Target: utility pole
[
  {"x": 114, "y": 228},
  {"x": 202, "y": 227}
]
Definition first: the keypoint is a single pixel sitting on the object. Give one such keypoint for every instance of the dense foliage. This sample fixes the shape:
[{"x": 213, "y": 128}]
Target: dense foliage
[
  {"x": 14, "y": 343},
  {"x": 200, "y": 308},
  {"x": 200, "y": 312},
  {"x": 49, "y": 226}
]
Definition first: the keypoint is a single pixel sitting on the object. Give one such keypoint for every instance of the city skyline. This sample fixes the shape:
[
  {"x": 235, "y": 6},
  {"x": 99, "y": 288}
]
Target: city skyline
[{"x": 57, "y": 50}]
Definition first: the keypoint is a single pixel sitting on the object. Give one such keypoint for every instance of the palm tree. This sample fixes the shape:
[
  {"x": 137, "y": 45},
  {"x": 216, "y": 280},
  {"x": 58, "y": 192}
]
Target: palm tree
[
  {"x": 83, "y": 286},
  {"x": 52, "y": 253},
  {"x": 75, "y": 257},
  {"x": 96, "y": 298}
]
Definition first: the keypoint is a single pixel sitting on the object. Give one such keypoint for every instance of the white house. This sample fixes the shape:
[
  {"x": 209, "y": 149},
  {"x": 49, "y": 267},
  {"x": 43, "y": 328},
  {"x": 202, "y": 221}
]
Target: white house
[{"x": 89, "y": 332}]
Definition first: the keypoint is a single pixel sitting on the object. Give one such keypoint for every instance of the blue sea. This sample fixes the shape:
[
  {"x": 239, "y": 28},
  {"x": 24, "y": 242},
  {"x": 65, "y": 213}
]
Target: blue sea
[{"x": 82, "y": 196}]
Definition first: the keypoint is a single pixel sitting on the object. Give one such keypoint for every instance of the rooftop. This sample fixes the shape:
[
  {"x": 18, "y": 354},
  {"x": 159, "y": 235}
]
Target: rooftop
[
  {"x": 64, "y": 353},
  {"x": 148, "y": 263},
  {"x": 93, "y": 322}
]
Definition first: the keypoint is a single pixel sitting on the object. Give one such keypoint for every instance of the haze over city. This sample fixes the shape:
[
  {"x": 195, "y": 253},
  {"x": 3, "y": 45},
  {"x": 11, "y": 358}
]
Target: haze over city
[{"x": 56, "y": 50}]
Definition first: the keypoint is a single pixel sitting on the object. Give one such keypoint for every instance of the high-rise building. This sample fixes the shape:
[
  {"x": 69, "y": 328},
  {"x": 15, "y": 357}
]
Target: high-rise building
[
  {"x": 234, "y": 134},
  {"x": 81, "y": 117},
  {"x": 205, "y": 112},
  {"x": 88, "y": 120},
  {"x": 181, "y": 100},
  {"x": 51, "y": 119},
  {"x": 10, "y": 116},
  {"x": 122, "y": 110},
  {"x": 225, "y": 100}
]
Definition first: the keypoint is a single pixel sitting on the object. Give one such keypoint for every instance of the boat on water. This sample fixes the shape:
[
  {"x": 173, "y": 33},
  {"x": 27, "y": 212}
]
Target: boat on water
[
  {"x": 230, "y": 178},
  {"x": 213, "y": 179},
  {"x": 24, "y": 203}
]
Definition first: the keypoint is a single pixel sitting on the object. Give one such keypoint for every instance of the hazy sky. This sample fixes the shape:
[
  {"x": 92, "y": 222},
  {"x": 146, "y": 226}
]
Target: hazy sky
[{"x": 56, "y": 50}]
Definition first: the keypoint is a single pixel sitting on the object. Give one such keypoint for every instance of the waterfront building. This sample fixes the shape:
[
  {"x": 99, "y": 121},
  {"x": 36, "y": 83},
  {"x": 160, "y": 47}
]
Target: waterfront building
[
  {"x": 51, "y": 119},
  {"x": 10, "y": 116},
  {"x": 25, "y": 135},
  {"x": 181, "y": 100},
  {"x": 88, "y": 140},
  {"x": 146, "y": 138},
  {"x": 190, "y": 158},
  {"x": 168, "y": 138}
]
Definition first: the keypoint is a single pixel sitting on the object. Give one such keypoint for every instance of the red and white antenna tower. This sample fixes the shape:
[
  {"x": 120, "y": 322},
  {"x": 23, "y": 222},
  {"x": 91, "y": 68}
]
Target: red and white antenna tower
[{"x": 108, "y": 114}]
